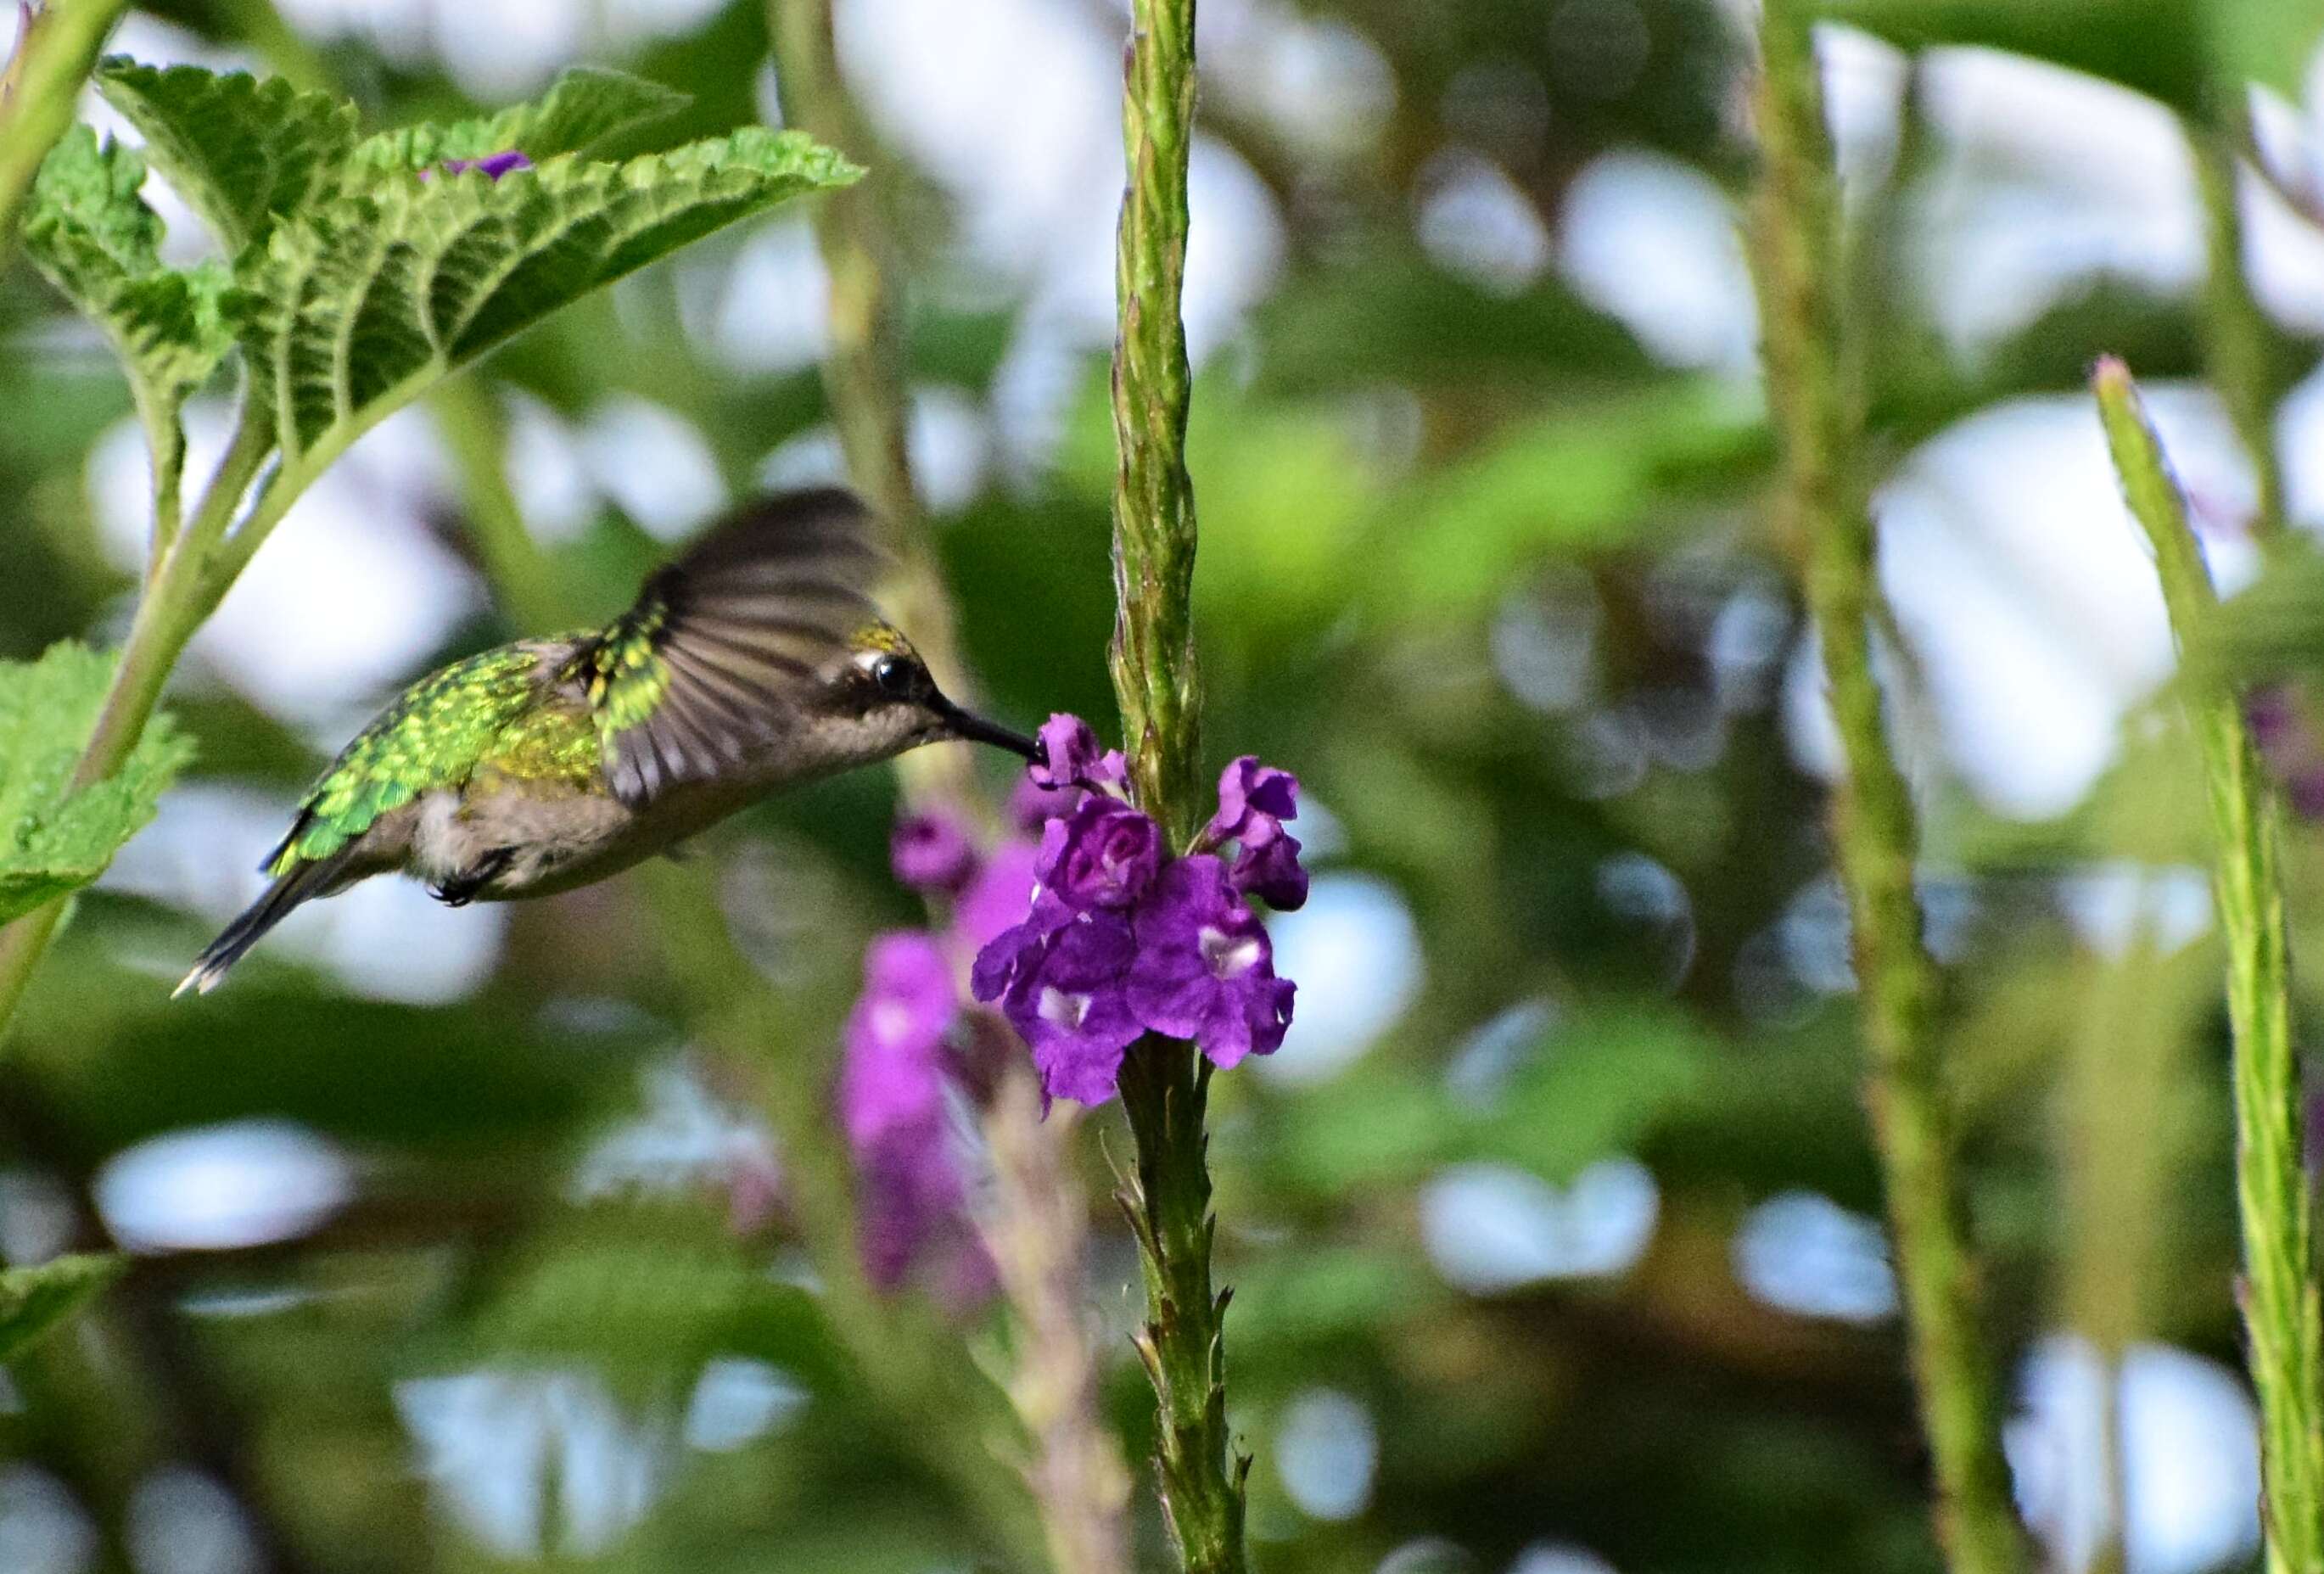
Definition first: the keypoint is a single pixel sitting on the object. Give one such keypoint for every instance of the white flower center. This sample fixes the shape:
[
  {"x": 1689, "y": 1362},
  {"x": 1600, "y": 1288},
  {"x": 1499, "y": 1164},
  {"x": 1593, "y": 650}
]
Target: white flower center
[
  {"x": 890, "y": 1021},
  {"x": 1059, "y": 1009},
  {"x": 1227, "y": 955}
]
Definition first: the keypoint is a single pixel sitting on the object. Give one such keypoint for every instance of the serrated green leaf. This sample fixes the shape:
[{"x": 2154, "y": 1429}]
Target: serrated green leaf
[
  {"x": 54, "y": 840},
  {"x": 243, "y": 151},
  {"x": 93, "y": 237},
  {"x": 585, "y": 108},
  {"x": 357, "y": 304},
  {"x": 34, "y": 1300}
]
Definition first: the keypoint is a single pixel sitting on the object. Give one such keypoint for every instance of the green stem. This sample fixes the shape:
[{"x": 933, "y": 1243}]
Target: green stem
[
  {"x": 179, "y": 595},
  {"x": 1035, "y": 1224},
  {"x": 1163, "y": 1083},
  {"x": 2281, "y": 1312},
  {"x": 1154, "y": 672},
  {"x": 40, "y": 88},
  {"x": 2239, "y": 342},
  {"x": 1816, "y": 402}
]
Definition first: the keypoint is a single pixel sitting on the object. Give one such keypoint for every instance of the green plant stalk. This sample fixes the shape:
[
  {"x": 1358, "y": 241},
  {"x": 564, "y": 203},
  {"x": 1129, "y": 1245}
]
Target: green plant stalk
[
  {"x": 2282, "y": 1320},
  {"x": 39, "y": 91},
  {"x": 1813, "y": 393},
  {"x": 181, "y": 589},
  {"x": 2239, "y": 340},
  {"x": 1034, "y": 1226},
  {"x": 864, "y": 370},
  {"x": 1163, "y": 1085}
]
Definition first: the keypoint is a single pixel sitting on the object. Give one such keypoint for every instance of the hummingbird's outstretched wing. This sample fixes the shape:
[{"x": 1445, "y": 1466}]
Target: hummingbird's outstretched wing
[
  {"x": 432, "y": 736},
  {"x": 725, "y": 643}
]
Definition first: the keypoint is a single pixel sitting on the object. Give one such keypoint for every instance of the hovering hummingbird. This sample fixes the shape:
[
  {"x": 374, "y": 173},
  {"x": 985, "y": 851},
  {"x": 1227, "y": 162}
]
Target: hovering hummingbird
[{"x": 753, "y": 662}]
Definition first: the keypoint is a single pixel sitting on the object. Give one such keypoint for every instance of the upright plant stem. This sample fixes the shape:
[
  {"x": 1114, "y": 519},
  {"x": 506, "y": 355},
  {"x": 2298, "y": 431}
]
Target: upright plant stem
[
  {"x": 39, "y": 89},
  {"x": 2239, "y": 342},
  {"x": 180, "y": 593},
  {"x": 1817, "y": 410},
  {"x": 1034, "y": 1225},
  {"x": 1163, "y": 1084},
  {"x": 2282, "y": 1320}
]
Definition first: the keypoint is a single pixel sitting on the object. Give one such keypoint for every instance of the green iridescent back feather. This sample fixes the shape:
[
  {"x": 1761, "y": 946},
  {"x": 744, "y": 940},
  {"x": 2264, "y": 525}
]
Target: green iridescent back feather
[
  {"x": 484, "y": 711},
  {"x": 727, "y": 645}
]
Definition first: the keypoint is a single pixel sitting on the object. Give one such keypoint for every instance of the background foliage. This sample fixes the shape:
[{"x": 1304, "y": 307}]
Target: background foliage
[{"x": 463, "y": 1240}]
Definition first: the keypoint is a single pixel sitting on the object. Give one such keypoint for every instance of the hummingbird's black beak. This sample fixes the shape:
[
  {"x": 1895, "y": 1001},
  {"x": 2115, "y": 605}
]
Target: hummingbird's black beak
[{"x": 977, "y": 729}]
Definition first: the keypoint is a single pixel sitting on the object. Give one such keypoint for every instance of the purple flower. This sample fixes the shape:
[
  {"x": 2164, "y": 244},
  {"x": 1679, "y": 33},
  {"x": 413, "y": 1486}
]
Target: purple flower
[
  {"x": 1032, "y": 805},
  {"x": 893, "y": 1073},
  {"x": 1272, "y": 873},
  {"x": 1067, "y": 1002},
  {"x": 493, "y": 165},
  {"x": 932, "y": 853},
  {"x": 1254, "y": 800},
  {"x": 1203, "y": 969},
  {"x": 891, "y": 1100},
  {"x": 1000, "y": 896},
  {"x": 1070, "y": 757},
  {"x": 1104, "y": 854},
  {"x": 1017, "y": 949}
]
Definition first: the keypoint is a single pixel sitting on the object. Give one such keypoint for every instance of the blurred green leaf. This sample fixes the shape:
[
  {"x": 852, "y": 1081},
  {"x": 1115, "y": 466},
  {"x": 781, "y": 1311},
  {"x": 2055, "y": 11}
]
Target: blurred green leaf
[
  {"x": 243, "y": 152},
  {"x": 1400, "y": 318},
  {"x": 55, "y": 840},
  {"x": 2272, "y": 42},
  {"x": 1588, "y": 1088},
  {"x": 34, "y": 1301},
  {"x": 1607, "y": 476},
  {"x": 2155, "y": 46}
]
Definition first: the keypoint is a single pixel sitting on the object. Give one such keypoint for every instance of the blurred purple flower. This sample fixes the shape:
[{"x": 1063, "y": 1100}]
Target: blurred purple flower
[
  {"x": 1104, "y": 854},
  {"x": 493, "y": 165},
  {"x": 2288, "y": 745},
  {"x": 931, "y": 851},
  {"x": 1070, "y": 757},
  {"x": 1204, "y": 969},
  {"x": 893, "y": 1072},
  {"x": 891, "y": 1100},
  {"x": 1032, "y": 805},
  {"x": 1000, "y": 897}
]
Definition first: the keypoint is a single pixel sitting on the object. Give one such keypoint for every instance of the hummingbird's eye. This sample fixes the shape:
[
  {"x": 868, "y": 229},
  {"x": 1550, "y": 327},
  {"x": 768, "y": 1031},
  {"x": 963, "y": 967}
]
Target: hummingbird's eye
[{"x": 893, "y": 675}]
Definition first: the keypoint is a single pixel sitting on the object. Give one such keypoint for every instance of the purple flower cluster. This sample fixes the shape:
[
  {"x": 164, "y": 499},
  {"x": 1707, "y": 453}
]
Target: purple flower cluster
[
  {"x": 1122, "y": 939},
  {"x": 1085, "y": 939}
]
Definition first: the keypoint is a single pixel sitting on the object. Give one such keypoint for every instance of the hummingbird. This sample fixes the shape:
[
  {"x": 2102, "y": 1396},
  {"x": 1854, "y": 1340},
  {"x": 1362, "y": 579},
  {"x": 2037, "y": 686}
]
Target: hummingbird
[{"x": 754, "y": 661}]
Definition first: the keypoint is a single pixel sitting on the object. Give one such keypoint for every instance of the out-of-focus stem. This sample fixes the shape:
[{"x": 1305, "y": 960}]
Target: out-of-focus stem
[
  {"x": 2281, "y": 1312},
  {"x": 55, "y": 53},
  {"x": 1817, "y": 408},
  {"x": 1035, "y": 1228},
  {"x": 2239, "y": 340},
  {"x": 911, "y": 1365},
  {"x": 1037, "y": 1234},
  {"x": 1163, "y": 1085}
]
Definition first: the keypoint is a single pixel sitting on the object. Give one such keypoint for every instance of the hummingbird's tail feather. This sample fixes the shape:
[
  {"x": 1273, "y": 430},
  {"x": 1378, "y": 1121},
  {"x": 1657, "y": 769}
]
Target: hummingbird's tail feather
[{"x": 301, "y": 884}]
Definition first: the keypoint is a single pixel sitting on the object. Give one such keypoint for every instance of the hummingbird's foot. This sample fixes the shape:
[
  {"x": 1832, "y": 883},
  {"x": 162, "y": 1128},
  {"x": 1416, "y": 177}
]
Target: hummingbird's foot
[{"x": 465, "y": 887}]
